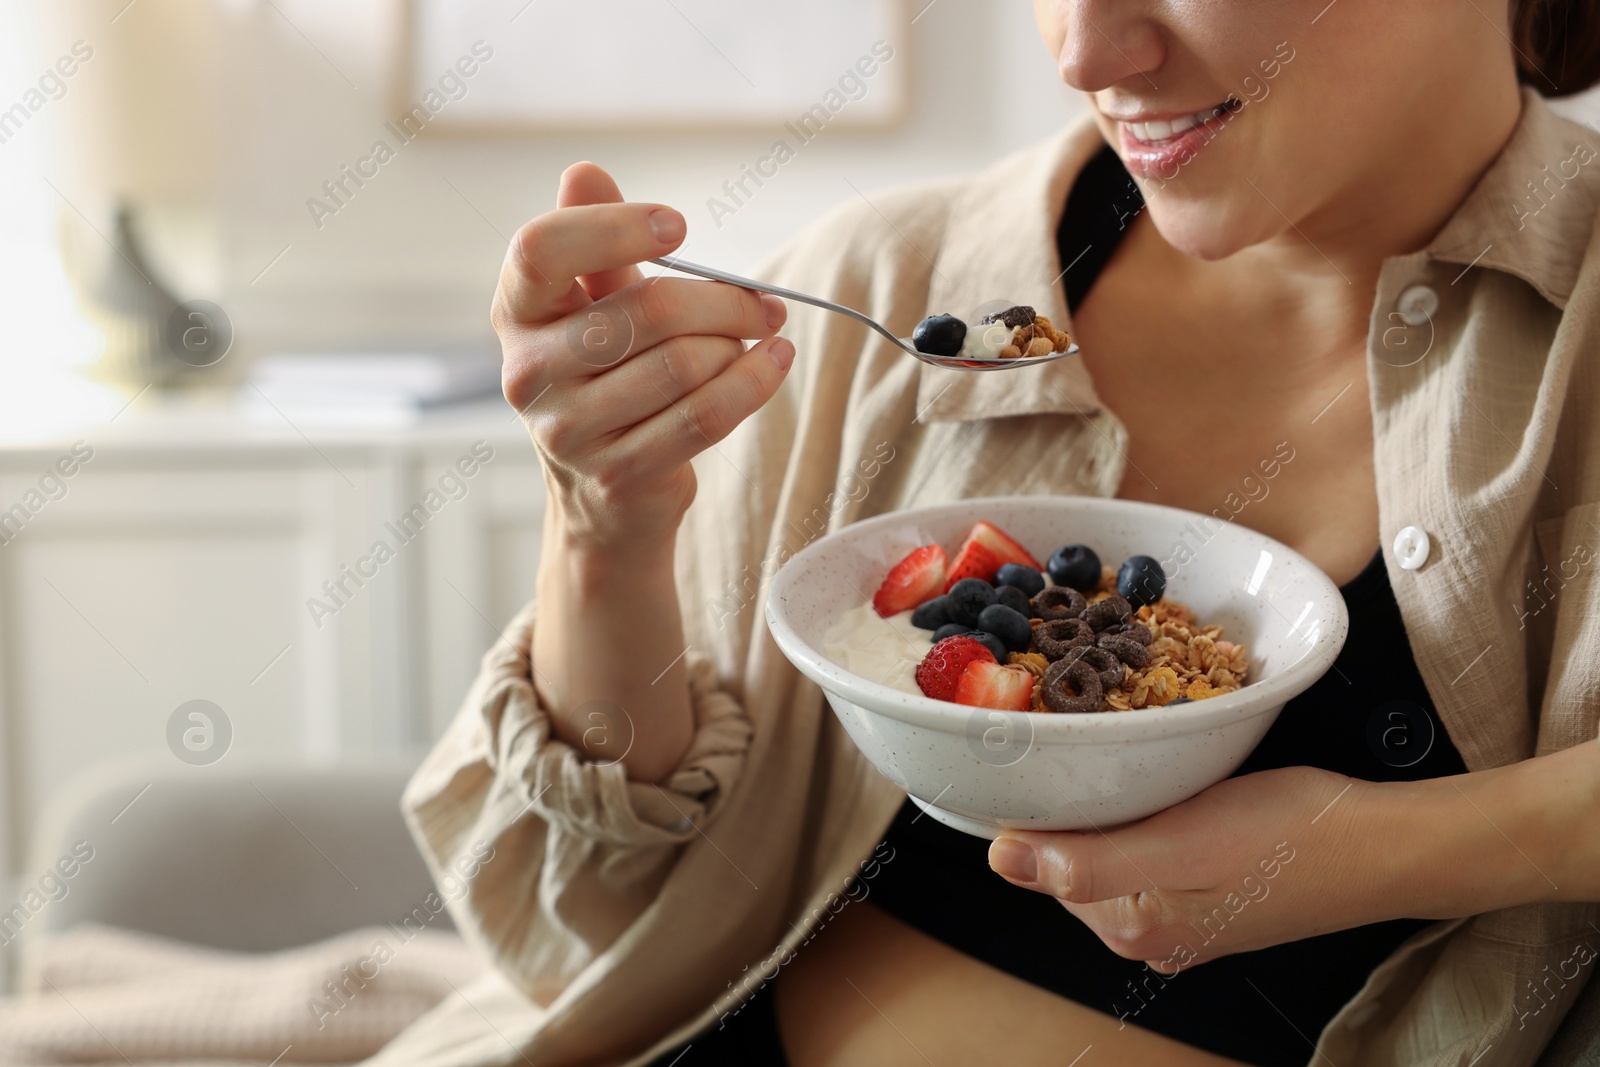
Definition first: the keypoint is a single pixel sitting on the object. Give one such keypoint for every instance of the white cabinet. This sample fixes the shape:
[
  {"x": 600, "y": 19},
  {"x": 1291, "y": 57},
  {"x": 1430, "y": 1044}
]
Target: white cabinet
[{"x": 197, "y": 557}]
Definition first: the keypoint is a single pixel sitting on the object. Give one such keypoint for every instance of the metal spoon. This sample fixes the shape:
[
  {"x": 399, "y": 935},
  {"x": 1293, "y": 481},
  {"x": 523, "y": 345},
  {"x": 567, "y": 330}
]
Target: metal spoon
[{"x": 947, "y": 362}]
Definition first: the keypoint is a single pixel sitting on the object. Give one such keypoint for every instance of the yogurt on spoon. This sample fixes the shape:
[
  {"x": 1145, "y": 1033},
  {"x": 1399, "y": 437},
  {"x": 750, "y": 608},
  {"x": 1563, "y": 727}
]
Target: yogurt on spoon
[{"x": 1018, "y": 332}]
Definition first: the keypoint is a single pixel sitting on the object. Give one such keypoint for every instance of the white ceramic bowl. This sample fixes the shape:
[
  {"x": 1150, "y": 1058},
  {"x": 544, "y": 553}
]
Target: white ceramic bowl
[{"x": 980, "y": 770}]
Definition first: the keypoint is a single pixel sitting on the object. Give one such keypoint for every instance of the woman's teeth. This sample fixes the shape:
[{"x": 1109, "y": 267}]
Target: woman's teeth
[{"x": 1165, "y": 129}]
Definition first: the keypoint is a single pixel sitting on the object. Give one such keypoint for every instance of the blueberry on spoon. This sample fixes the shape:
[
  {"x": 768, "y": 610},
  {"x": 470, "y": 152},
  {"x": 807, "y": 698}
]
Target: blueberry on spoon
[{"x": 940, "y": 335}]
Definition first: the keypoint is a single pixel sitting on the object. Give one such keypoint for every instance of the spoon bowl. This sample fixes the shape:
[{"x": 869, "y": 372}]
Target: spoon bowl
[{"x": 905, "y": 345}]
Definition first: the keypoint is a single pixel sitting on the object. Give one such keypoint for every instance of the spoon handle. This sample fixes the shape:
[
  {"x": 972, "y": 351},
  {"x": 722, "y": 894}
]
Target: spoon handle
[{"x": 776, "y": 290}]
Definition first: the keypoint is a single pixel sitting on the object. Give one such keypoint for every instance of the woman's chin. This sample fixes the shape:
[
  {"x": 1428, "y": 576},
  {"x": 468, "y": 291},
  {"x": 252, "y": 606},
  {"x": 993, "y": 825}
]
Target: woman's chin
[
  {"x": 1206, "y": 230},
  {"x": 1212, "y": 208}
]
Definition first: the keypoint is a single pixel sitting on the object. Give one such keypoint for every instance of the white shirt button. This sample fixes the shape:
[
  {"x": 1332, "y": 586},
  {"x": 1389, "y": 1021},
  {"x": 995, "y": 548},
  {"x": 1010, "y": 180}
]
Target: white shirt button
[
  {"x": 1417, "y": 305},
  {"x": 1411, "y": 548}
]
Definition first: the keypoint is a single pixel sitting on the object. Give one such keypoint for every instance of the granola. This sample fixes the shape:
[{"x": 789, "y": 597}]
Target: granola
[
  {"x": 1067, "y": 636},
  {"x": 1018, "y": 332},
  {"x": 1187, "y": 660}
]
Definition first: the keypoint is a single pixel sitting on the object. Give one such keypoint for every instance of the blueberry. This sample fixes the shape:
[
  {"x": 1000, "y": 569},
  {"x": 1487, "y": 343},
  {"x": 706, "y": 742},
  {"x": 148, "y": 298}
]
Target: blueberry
[
  {"x": 1011, "y": 627},
  {"x": 949, "y": 629},
  {"x": 967, "y": 598},
  {"x": 1180, "y": 700},
  {"x": 939, "y": 335},
  {"x": 991, "y": 642},
  {"x": 1076, "y": 566},
  {"x": 1141, "y": 581},
  {"x": 930, "y": 614},
  {"x": 1015, "y": 599},
  {"x": 1022, "y": 576}
]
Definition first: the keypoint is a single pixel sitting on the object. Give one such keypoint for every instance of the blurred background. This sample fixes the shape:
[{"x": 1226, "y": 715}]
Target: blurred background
[
  {"x": 247, "y": 250},
  {"x": 261, "y": 506}
]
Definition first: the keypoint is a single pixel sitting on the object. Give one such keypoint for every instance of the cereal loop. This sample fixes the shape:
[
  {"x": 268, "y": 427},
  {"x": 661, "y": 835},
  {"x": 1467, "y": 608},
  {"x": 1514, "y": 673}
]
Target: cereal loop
[
  {"x": 1104, "y": 614},
  {"x": 1126, "y": 649},
  {"x": 1138, "y": 631},
  {"x": 1059, "y": 602},
  {"x": 1105, "y": 664},
  {"x": 1077, "y": 675},
  {"x": 1060, "y": 636}
]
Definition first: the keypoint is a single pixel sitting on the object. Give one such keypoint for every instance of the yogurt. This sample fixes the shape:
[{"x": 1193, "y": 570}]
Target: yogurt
[
  {"x": 985, "y": 342},
  {"x": 878, "y": 649}
]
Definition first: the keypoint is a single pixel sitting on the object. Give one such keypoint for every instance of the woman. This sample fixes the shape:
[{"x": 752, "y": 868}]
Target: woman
[{"x": 1339, "y": 233}]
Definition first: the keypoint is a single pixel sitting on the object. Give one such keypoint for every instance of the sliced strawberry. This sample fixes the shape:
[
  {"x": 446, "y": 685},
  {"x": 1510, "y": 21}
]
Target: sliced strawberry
[
  {"x": 942, "y": 669},
  {"x": 1004, "y": 547},
  {"x": 918, "y": 577},
  {"x": 973, "y": 561},
  {"x": 989, "y": 685}
]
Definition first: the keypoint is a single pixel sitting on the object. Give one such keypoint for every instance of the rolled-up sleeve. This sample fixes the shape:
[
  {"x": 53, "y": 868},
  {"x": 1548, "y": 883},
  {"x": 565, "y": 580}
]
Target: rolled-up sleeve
[
  {"x": 544, "y": 856},
  {"x": 579, "y": 884}
]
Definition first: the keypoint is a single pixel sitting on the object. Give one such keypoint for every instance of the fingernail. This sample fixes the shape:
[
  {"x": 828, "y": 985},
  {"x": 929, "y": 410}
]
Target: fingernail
[
  {"x": 667, "y": 225},
  {"x": 1014, "y": 861},
  {"x": 774, "y": 309},
  {"x": 782, "y": 352}
]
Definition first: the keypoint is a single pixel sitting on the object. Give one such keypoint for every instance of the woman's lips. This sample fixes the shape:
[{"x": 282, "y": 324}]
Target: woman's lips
[{"x": 1157, "y": 148}]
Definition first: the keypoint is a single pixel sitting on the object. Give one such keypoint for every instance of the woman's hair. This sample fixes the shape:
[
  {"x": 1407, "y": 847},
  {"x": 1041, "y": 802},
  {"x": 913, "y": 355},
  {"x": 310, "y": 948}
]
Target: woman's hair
[{"x": 1557, "y": 44}]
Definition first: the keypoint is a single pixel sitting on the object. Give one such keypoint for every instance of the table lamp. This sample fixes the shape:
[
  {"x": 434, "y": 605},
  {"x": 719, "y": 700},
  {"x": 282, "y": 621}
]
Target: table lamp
[{"x": 137, "y": 142}]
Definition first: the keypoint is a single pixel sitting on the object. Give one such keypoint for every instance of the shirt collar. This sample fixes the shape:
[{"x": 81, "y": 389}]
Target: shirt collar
[
  {"x": 1000, "y": 243},
  {"x": 1530, "y": 215},
  {"x": 1532, "y": 212}
]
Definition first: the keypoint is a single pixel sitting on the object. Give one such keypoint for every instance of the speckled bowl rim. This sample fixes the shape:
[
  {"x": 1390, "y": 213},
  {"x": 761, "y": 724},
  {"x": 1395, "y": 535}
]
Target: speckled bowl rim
[{"x": 1256, "y": 698}]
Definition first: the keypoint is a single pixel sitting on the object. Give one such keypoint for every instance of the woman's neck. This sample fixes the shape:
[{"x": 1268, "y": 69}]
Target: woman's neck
[{"x": 1326, "y": 264}]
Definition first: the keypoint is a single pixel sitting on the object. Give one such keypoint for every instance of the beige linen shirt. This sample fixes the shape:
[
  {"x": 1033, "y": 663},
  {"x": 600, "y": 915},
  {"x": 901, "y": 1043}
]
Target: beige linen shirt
[{"x": 624, "y": 918}]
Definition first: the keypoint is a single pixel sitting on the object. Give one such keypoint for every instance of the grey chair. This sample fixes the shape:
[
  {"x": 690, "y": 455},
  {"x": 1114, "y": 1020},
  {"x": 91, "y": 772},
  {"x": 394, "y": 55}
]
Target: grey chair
[{"x": 233, "y": 857}]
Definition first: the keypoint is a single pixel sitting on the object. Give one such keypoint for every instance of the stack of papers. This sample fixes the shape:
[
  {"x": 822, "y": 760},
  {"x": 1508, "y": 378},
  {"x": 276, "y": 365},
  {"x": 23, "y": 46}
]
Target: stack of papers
[{"x": 377, "y": 388}]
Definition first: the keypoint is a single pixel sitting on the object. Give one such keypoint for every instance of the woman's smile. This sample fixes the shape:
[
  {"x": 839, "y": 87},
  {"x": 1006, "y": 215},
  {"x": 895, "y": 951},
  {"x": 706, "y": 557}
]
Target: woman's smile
[{"x": 1156, "y": 144}]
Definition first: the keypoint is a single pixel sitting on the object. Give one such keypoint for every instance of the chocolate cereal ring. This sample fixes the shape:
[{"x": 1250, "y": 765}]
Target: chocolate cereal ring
[
  {"x": 1059, "y": 602},
  {"x": 1104, "y": 614},
  {"x": 1059, "y": 636},
  {"x": 1020, "y": 315},
  {"x": 1105, "y": 664},
  {"x": 1136, "y": 630},
  {"x": 1066, "y": 675},
  {"x": 1124, "y": 648}
]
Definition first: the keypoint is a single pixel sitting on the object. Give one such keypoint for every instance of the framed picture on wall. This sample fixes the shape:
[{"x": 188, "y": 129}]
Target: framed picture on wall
[{"x": 639, "y": 65}]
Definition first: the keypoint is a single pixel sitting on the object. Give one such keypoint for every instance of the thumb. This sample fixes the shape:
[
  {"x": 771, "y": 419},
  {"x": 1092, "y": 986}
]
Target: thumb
[
  {"x": 583, "y": 184},
  {"x": 1075, "y": 867}
]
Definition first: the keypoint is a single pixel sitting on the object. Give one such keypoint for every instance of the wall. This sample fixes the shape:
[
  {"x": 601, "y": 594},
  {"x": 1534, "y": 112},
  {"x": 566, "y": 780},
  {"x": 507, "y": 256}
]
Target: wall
[
  {"x": 307, "y": 86},
  {"x": 417, "y": 251}
]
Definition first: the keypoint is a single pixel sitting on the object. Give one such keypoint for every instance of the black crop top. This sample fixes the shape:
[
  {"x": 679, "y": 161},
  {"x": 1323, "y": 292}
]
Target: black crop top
[{"x": 1369, "y": 717}]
